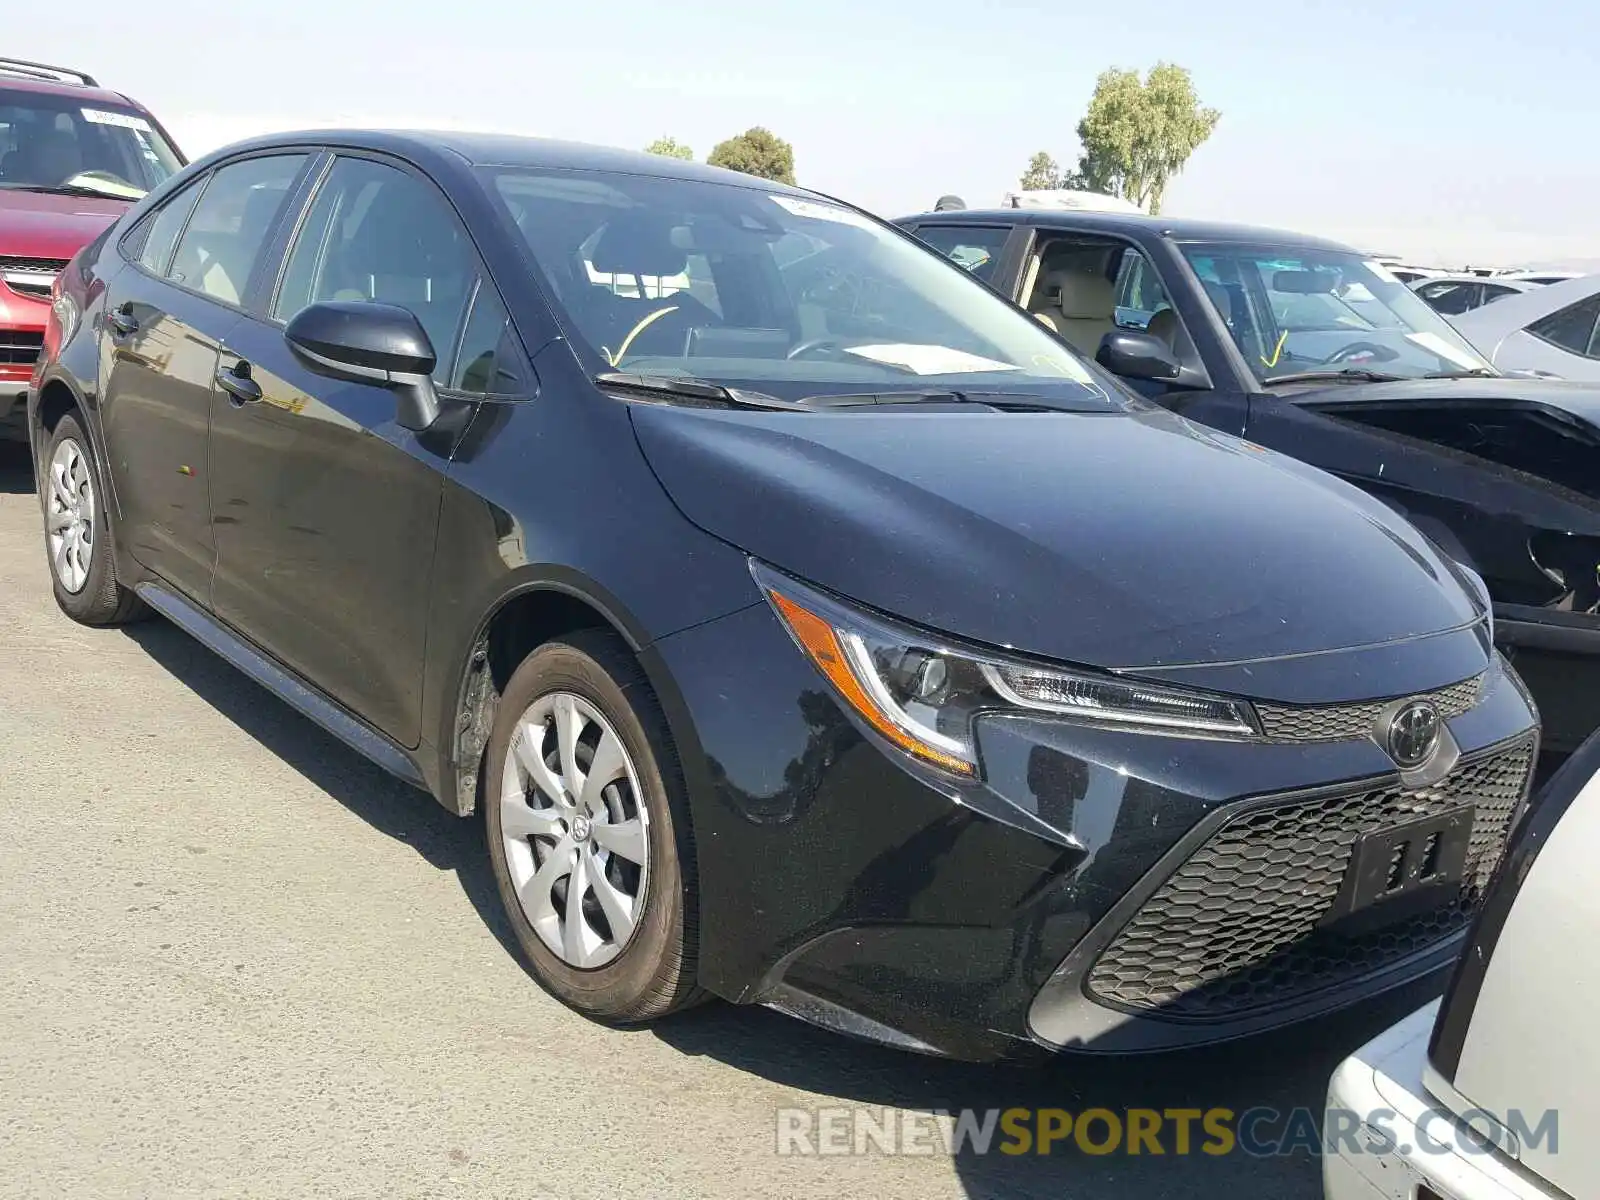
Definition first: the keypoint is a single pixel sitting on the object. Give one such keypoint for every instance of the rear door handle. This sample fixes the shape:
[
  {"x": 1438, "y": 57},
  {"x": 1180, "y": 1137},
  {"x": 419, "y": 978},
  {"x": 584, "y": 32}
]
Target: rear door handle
[
  {"x": 236, "y": 381},
  {"x": 123, "y": 322}
]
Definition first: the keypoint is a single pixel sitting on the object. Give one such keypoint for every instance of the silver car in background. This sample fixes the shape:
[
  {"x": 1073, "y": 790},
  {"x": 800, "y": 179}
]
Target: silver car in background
[
  {"x": 1490, "y": 1092},
  {"x": 1550, "y": 330}
]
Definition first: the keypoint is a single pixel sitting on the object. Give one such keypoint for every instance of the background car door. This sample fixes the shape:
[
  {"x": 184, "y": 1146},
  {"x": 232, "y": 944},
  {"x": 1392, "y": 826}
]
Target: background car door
[
  {"x": 325, "y": 509},
  {"x": 166, "y": 316}
]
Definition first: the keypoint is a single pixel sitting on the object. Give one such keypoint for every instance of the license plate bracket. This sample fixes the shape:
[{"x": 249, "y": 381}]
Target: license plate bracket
[{"x": 1404, "y": 869}]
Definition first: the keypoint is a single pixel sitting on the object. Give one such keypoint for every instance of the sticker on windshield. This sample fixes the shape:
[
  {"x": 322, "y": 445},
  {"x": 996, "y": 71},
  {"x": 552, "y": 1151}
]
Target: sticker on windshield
[
  {"x": 820, "y": 212},
  {"x": 1381, "y": 271},
  {"x": 100, "y": 116},
  {"x": 1434, "y": 344},
  {"x": 929, "y": 360}
]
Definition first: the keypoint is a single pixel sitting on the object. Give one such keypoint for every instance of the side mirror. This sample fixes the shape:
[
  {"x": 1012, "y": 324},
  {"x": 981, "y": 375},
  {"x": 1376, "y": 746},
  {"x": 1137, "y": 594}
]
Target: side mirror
[
  {"x": 1135, "y": 355},
  {"x": 371, "y": 343}
]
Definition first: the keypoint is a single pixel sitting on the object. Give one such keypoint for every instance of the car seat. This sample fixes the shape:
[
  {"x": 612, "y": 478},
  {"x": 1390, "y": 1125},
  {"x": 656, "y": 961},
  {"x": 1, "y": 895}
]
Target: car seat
[{"x": 1084, "y": 305}]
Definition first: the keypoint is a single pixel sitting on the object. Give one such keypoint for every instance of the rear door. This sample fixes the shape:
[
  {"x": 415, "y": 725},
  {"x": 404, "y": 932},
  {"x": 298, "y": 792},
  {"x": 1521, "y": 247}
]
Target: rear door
[
  {"x": 166, "y": 318},
  {"x": 326, "y": 509}
]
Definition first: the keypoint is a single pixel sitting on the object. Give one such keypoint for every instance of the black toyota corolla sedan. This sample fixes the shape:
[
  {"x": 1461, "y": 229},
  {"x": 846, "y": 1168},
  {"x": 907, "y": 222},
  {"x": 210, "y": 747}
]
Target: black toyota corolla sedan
[{"x": 811, "y": 627}]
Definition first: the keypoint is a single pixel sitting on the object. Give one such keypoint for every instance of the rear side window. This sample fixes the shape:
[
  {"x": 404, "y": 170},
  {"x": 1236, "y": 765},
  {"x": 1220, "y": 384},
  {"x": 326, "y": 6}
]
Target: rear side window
[
  {"x": 376, "y": 233},
  {"x": 1572, "y": 328},
  {"x": 162, "y": 229},
  {"x": 219, "y": 249},
  {"x": 974, "y": 249}
]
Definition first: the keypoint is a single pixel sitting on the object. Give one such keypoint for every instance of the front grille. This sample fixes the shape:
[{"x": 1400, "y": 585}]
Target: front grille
[
  {"x": 20, "y": 347},
  {"x": 1236, "y": 927},
  {"x": 1346, "y": 722},
  {"x": 31, "y": 276}
]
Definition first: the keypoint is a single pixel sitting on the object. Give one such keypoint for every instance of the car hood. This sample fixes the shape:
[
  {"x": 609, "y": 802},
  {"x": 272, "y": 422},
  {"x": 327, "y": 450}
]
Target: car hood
[
  {"x": 1580, "y": 400},
  {"x": 1114, "y": 540},
  {"x": 41, "y": 225}
]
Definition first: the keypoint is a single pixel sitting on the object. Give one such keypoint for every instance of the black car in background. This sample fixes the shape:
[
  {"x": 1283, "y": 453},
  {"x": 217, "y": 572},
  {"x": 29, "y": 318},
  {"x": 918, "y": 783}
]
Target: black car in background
[
  {"x": 1304, "y": 346},
  {"x": 798, "y": 613}
]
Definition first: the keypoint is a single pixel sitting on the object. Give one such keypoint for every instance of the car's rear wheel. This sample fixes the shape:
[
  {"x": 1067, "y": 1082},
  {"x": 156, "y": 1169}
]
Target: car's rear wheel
[
  {"x": 76, "y": 533},
  {"x": 589, "y": 832}
]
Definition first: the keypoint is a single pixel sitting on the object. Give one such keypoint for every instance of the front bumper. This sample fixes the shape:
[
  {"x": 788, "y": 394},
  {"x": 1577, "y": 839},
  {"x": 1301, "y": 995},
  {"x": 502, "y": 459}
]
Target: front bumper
[
  {"x": 22, "y": 326},
  {"x": 1384, "y": 1137},
  {"x": 1036, "y": 908}
]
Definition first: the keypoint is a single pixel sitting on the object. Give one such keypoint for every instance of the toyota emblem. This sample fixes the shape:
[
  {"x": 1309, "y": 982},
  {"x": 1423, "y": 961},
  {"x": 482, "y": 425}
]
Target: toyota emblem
[{"x": 1414, "y": 734}]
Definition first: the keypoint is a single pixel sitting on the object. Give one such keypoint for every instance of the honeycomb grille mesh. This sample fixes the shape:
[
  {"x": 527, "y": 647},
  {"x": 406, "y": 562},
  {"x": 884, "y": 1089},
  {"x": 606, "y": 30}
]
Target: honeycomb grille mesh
[
  {"x": 9, "y": 262},
  {"x": 1347, "y": 722},
  {"x": 1235, "y": 927}
]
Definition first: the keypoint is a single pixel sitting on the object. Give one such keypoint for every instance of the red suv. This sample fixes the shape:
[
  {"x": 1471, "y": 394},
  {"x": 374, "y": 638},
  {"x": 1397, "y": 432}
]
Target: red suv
[{"x": 73, "y": 157}]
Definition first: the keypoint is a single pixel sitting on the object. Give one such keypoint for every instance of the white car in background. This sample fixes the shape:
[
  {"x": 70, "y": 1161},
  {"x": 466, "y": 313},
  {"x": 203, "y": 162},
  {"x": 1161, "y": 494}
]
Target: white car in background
[
  {"x": 1552, "y": 330},
  {"x": 1490, "y": 1093},
  {"x": 1452, "y": 295}
]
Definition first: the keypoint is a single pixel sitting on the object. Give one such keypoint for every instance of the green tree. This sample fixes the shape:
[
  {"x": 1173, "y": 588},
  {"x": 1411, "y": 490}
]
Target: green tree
[
  {"x": 670, "y": 148},
  {"x": 1043, "y": 174},
  {"x": 1137, "y": 135},
  {"x": 758, "y": 152}
]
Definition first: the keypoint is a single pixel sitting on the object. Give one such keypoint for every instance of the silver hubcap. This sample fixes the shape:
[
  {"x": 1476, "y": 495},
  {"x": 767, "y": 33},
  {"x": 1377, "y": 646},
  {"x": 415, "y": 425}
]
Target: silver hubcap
[
  {"x": 575, "y": 830},
  {"x": 69, "y": 516}
]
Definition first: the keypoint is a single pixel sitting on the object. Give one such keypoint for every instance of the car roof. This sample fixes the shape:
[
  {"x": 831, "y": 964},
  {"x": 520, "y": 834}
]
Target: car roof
[
  {"x": 511, "y": 150},
  {"x": 77, "y": 91},
  {"x": 1131, "y": 225}
]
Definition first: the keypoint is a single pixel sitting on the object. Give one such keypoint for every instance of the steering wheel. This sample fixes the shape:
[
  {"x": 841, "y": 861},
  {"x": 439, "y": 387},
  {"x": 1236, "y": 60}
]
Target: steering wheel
[
  {"x": 810, "y": 344},
  {"x": 1344, "y": 353}
]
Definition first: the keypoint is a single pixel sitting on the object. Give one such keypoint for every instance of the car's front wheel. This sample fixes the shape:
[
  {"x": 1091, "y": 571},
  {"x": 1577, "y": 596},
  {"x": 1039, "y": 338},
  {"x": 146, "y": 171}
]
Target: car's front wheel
[
  {"x": 76, "y": 533},
  {"x": 589, "y": 832}
]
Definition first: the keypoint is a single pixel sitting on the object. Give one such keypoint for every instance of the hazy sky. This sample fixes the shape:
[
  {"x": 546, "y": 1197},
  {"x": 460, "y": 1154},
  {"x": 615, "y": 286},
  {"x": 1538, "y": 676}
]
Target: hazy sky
[{"x": 1455, "y": 129}]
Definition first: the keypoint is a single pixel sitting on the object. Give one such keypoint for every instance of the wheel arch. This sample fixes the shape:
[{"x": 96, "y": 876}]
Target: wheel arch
[{"x": 536, "y": 608}]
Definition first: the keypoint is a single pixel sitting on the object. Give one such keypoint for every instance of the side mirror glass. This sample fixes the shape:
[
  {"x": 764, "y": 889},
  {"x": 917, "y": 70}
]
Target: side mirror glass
[
  {"x": 1135, "y": 355},
  {"x": 371, "y": 343}
]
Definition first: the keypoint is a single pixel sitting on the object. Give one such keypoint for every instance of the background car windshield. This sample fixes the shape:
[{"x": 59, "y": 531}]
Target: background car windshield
[
  {"x": 768, "y": 290},
  {"x": 52, "y": 142},
  {"x": 1293, "y": 310}
]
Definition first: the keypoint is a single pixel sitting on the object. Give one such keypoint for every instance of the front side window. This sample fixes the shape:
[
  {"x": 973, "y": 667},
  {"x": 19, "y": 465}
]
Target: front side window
[
  {"x": 52, "y": 143},
  {"x": 225, "y": 236},
  {"x": 1451, "y": 296},
  {"x": 1573, "y": 328},
  {"x": 973, "y": 248},
  {"x": 739, "y": 285},
  {"x": 377, "y": 233},
  {"x": 1296, "y": 310}
]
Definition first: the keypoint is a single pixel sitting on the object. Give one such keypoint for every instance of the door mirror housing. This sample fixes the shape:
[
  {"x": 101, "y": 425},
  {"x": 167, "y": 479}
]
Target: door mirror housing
[
  {"x": 1135, "y": 355},
  {"x": 366, "y": 342}
]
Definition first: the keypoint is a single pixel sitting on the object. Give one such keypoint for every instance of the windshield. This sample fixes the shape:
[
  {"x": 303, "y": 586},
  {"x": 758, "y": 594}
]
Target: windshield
[
  {"x": 60, "y": 143},
  {"x": 1294, "y": 310},
  {"x": 787, "y": 295}
]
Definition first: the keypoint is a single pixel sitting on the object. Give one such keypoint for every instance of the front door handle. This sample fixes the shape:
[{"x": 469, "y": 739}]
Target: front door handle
[
  {"x": 122, "y": 320},
  {"x": 236, "y": 381}
]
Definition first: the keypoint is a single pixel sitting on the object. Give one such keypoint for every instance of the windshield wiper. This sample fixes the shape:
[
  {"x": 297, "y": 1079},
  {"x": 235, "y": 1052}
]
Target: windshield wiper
[
  {"x": 692, "y": 391},
  {"x": 1346, "y": 375},
  {"x": 1469, "y": 373},
  {"x": 68, "y": 189}
]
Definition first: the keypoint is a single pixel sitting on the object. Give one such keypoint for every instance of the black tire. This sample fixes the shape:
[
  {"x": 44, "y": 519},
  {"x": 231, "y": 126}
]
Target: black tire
[
  {"x": 655, "y": 972},
  {"x": 102, "y": 600}
]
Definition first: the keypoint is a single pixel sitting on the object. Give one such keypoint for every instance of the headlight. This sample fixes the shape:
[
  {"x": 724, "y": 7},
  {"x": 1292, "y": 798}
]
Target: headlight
[{"x": 922, "y": 694}]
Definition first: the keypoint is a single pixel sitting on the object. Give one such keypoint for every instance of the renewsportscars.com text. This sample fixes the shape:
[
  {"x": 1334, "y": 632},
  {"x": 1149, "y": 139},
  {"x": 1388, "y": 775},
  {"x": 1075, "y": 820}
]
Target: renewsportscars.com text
[{"x": 1258, "y": 1132}]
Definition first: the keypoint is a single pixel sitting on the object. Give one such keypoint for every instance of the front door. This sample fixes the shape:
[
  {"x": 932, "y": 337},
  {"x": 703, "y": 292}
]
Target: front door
[{"x": 326, "y": 509}]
